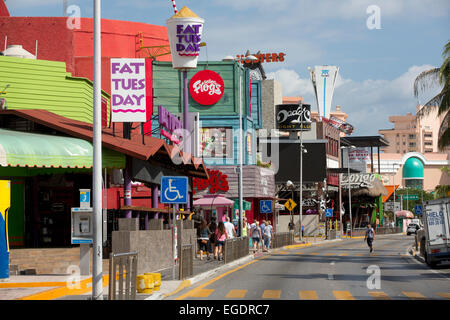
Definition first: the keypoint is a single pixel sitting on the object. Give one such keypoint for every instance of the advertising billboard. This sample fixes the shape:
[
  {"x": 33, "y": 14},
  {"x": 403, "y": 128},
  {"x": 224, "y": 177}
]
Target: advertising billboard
[
  {"x": 185, "y": 33},
  {"x": 314, "y": 162},
  {"x": 293, "y": 117},
  {"x": 324, "y": 81}
]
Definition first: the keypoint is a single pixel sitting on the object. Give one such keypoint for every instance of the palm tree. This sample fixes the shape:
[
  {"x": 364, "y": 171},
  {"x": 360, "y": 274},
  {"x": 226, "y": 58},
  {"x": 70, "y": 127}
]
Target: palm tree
[{"x": 429, "y": 78}]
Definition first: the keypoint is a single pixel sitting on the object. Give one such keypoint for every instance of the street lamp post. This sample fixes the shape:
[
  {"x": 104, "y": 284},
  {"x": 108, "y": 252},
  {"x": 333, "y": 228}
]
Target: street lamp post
[
  {"x": 349, "y": 189},
  {"x": 97, "y": 287}
]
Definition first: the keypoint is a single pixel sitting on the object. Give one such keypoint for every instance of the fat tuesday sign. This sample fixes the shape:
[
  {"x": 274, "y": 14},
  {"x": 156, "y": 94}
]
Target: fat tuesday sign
[
  {"x": 293, "y": 117},
  {"x": 206, "y": 87},
  {"x": 185, "y": 33},
  {"x": 128, "y": 90}
]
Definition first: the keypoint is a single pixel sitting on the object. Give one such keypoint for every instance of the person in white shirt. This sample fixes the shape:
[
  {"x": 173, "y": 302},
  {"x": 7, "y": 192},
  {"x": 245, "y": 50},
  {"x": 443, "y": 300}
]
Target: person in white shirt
[{"x": 229, "y": 227}]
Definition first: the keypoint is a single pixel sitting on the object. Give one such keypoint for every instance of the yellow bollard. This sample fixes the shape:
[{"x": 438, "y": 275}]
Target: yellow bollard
[
  {"x": 156, "y": 280},
  {"x": 145, "y": 283}
]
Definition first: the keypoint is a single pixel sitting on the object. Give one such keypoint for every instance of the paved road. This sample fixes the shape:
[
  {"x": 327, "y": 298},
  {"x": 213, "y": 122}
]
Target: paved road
[{"x": 337, "y": 270}]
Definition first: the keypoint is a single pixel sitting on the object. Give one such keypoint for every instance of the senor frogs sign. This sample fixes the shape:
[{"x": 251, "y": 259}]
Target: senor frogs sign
[{"x": 206, "y": 87}]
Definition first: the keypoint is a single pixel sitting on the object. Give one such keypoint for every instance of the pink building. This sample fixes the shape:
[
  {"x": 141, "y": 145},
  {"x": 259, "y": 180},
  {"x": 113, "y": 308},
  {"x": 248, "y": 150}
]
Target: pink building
[{"x": 413, "y": 134}]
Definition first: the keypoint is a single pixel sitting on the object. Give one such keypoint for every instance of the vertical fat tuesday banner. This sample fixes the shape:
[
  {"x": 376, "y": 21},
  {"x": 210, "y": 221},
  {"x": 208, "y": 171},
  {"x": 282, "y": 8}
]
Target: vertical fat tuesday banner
[
  {"x": 129, "y": 92},
  {"x": 324, "y": 81}
]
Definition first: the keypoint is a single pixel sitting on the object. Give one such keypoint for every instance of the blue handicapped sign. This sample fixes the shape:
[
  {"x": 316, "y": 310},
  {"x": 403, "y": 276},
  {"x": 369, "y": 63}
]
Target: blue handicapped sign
[
  {"x": 174, "y": 189},
  {"x": 265, "y": 206}
]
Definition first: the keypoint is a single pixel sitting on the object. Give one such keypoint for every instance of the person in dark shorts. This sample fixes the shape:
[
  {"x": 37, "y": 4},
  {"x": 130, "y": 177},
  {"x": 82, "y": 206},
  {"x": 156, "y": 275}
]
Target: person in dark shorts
[{"x": 369, "y": 236}]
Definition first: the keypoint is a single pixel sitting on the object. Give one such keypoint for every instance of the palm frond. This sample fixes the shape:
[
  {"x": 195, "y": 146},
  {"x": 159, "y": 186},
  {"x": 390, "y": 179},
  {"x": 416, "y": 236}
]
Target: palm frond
[
  {"x": 425, "y": 80},
  {"x": 444, "y": 133},
  {"x": 429, "y": 107}
]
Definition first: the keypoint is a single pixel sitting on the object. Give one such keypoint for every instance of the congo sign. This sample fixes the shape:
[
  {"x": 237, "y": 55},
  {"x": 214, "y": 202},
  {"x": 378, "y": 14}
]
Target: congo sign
[{"x": 358, "y": 180}]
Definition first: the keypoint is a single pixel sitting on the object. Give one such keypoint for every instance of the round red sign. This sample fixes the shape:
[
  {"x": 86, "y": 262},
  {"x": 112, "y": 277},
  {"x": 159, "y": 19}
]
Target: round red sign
[{"x": 206, "y": 87}]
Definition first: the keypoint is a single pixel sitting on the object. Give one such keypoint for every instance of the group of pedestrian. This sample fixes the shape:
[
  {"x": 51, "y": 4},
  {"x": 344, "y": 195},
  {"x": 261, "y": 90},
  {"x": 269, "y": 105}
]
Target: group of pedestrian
[
  {"x": 211, "y": 238},
  {"x": 261, "y": 233}
]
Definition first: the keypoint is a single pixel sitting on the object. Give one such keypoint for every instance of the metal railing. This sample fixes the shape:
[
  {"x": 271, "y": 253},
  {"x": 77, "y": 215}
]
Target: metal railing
[
  {"x": 186, "y": 265},
  {"x": 235, "y": 248},
  {"x": 122, "y": 269},
  {"x": 282, "y": 239}
]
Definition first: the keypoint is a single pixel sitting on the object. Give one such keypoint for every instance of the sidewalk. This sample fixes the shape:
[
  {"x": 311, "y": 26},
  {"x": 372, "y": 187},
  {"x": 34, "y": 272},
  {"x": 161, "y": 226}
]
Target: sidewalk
[{"x": 54, "y": 287}]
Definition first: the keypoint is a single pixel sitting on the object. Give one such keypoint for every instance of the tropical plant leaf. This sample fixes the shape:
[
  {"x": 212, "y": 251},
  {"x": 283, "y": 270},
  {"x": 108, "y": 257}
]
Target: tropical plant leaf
[{"x": 425, "y": 80}]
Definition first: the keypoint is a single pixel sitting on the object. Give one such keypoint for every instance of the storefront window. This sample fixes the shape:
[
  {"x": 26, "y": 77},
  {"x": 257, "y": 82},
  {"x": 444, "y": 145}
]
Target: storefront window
[{"x": 216, "y": 142}]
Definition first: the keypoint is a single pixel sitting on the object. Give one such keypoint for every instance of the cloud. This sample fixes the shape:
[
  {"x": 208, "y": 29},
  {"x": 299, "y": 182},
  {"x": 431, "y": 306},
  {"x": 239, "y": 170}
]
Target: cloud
[
  {"x": 18, "y": 4},
  {"x": 368, "y": 103}
]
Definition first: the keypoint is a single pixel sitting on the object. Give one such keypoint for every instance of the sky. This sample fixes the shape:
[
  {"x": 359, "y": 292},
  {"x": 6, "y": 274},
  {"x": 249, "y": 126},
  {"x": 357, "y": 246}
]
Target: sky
[{"x": 378, "y": 55}]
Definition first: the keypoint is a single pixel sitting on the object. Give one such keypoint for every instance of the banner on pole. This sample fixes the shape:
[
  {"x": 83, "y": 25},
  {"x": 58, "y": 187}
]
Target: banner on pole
[{"x": 128, "y": 90}]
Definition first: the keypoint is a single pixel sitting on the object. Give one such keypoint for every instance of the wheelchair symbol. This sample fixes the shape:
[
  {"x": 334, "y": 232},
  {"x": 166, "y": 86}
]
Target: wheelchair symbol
[
  {"x": 173, "y": 191},
  {"x": 265, "y": 207}
]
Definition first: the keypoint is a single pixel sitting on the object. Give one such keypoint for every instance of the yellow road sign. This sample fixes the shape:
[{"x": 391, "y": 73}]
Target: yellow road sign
[{"x": 290, "y": 204}]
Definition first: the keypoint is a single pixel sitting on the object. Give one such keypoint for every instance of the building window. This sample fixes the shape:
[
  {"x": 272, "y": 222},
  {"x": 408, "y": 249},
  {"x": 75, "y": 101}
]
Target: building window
[
  {"x": 428, "y": 143},
  {"x": 413, "y": 144},
  {"x": 216, "y": 142},
  {"x": 428, "y": 135},
  {"x": 412, "y": 136},
  {"x": 404, "y": 143}
]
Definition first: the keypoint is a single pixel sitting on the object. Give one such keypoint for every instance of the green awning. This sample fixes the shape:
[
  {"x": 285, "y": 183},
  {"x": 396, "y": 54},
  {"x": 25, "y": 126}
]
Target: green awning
[{"x": 23, "y": 149}]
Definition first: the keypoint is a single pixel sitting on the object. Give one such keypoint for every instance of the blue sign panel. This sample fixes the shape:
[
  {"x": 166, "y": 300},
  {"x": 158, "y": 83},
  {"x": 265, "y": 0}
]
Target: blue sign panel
[
  {"x": 265, "y": 206},
  {"x": 328, "y": 213},
  {"x": 418, "y": 209},
  {"x": 174, "y": 189}
]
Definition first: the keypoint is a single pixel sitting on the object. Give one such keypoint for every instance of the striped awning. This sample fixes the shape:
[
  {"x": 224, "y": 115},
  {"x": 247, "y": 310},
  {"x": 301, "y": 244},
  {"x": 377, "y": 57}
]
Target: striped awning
[{"x": 23, "y": 149}]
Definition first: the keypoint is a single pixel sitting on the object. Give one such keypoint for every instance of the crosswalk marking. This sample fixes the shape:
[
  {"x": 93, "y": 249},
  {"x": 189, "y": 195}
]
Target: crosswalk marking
[
  {"x": 201, "y": 293},
  {"x": 308, "y": 295},
  {"x": 379, "y": 295},
  {"x": 444, "y": 295},
  {"x": 314, "y": 253},
  {"x": 413, "y": 295},
  {"x": 271, "y": 294},
  {"x": 329, "y": 254},
  {"x": 343, "y": 254},
  {"x": 234, "y": 294},
  {"x": 343, "y": 295}
]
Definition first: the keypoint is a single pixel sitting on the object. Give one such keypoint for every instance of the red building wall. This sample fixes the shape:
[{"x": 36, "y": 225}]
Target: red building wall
[{"x": 56, "y": 42}]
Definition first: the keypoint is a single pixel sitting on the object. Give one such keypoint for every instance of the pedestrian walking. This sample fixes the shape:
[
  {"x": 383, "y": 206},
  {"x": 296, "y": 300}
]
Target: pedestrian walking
[
  {"x": 262, "y": 226},
  {"x": 256, "y": 235},
  {"x": 229, "y": 227},
  {"x": 221, "y": 236},
  {"x": 268, "y": 235},
  {"x": 203, "y": 233},
  {"x": 369, "y": 236},
  {"x": 291, "y": 225},
  {"x": 212, "y": 236},
  {"x": 244, "y": 227}
]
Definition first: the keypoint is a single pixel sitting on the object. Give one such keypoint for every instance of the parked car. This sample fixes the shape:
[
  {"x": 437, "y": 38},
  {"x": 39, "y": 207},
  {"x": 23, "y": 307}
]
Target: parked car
[{"x": 412, "y": 228}]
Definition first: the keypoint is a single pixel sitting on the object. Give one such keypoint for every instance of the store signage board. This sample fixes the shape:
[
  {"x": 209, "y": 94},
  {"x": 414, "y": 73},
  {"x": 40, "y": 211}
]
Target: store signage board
[
  {"x": 185, "y": 33},
  {"x": 339, "y": 124},
  {"x": 170, "y": 122},
  {"x": 206, "y": 87},
  {"x": 246, "y": 205},
  {"x": 358, "y": 180},
  {"x": 262, "y": 57},
  {"x": 217, "y": 182},
  {"x": 392, "y": 206},
  {"x": 293, "y": 117},
  {"x": 128, "y": 90},
  {"x": 174, "y": 190}
]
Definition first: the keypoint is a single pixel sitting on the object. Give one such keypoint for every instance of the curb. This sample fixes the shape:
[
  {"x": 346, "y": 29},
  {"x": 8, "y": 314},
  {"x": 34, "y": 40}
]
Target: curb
[{"x": 415, "y": 254}]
